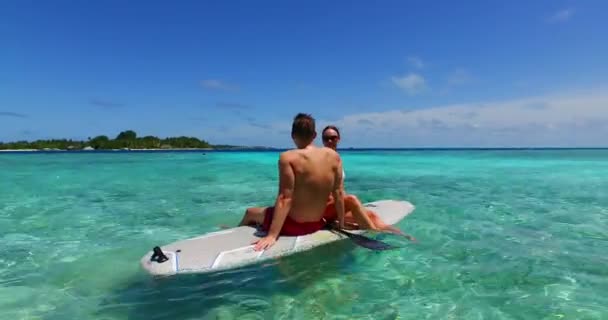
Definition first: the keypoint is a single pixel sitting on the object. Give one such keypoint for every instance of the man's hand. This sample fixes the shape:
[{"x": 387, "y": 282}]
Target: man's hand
[{"x": 264, "y": 243}]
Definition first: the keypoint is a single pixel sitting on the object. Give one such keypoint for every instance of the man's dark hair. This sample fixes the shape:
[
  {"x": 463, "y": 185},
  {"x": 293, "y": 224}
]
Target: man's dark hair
[
  {"x": 303, "y": 126},
  {"x": 333, "y": 128}
]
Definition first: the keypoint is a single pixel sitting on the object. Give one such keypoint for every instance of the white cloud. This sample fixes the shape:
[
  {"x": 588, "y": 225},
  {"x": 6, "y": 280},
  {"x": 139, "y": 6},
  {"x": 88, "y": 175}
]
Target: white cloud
[
  {"x": 575, "y": 119},
  {"x": 459, "y": 76},
  {"x": 411, "y": 83},
  {"x": 415, "y": 62},
  {"x": 456, "y": 78},
  {"x": 214, "y": 84},
  {"x": 561, "y": 16}
]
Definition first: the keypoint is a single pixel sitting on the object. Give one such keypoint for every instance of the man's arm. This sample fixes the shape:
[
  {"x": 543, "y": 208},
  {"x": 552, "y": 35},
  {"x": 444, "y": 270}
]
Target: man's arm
[
  {"x": 284, "y": 197},
  {"x": 338, "y": 192},
  {"x": 283, "y": 202}
]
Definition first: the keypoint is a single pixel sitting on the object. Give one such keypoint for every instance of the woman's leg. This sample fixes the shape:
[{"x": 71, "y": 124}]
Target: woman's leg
[
  {"x": 359, "y": 213},
  {"x": 366, "y": 217}
]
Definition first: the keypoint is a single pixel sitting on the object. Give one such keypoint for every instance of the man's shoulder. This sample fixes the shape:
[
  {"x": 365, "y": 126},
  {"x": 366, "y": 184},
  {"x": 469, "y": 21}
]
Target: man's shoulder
[
  {"x": 332, "y": 153},
  {"x": 288, "y": 156},
  {"x": 328, "y": 153}
]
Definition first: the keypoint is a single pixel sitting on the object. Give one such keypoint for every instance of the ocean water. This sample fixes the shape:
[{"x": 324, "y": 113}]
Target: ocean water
[{"x": 510, "y": 234}]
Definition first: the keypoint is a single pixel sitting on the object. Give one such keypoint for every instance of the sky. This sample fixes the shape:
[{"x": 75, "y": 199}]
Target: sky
[{"x": 388, "y": 73}]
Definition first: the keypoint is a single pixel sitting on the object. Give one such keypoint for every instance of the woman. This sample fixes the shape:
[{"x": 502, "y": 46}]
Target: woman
[{"x": 356, "y": 214}]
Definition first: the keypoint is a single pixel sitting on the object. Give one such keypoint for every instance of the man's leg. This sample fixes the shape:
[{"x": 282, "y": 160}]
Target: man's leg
[{"x": 253, "y": 216}]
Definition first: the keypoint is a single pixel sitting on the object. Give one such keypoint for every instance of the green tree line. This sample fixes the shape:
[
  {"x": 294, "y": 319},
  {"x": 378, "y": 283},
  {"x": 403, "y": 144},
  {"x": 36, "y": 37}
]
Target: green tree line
[{"x": 125, "y": 139}]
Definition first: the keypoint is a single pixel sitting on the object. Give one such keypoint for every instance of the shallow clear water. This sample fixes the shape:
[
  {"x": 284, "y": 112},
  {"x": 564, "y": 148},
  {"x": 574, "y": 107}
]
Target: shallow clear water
[{"x": 502, "y": 235}]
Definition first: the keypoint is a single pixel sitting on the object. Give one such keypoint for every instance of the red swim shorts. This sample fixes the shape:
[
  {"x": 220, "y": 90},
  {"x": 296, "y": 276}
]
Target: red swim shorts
[
  {"x": 292, "y": 227},
  {"x": 330, "y": 214}
]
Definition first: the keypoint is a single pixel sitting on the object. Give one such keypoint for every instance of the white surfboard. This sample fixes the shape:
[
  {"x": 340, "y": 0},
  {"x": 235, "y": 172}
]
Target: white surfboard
[{"x": 232, "y": 248}]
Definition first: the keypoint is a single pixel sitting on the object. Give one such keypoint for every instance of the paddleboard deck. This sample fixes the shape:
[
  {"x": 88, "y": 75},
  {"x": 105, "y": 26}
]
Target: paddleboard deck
[{"x": 232, "y": 248}]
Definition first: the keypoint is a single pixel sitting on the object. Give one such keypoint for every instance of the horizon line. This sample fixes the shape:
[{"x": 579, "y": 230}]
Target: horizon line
[{"x": 273, "y": 149}]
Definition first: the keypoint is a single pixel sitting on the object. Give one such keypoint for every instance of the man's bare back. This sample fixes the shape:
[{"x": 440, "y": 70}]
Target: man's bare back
[
  {"x": 317, "y": 171},
  {"x": 307, "y": 177}
]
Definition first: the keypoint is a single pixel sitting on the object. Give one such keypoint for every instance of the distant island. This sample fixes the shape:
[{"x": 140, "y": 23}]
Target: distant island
[{"x": 125, "y": 140}]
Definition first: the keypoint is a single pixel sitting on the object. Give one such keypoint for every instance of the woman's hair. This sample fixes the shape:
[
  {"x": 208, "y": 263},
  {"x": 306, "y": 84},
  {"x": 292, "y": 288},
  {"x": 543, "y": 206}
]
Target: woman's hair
[{"x": 333, "y": 128}]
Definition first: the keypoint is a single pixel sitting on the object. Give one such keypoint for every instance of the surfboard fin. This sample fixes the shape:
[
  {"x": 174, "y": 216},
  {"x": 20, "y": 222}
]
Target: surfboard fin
[{"x": 158, "y": 255}]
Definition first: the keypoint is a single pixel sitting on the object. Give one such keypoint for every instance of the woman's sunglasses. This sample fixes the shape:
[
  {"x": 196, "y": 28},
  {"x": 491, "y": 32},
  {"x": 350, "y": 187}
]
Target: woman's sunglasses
[{"x": 328, "y": 138}]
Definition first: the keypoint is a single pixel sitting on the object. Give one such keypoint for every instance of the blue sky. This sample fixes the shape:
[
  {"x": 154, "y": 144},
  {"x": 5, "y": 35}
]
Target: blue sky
[{"x": 390, "y": 73}]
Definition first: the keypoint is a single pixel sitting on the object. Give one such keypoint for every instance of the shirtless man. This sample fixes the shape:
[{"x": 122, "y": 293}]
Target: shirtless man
[{"x": 308, "y": 176}]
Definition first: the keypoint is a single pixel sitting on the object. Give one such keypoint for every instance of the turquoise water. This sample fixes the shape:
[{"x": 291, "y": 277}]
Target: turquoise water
[{"x": 502, "y": 235}]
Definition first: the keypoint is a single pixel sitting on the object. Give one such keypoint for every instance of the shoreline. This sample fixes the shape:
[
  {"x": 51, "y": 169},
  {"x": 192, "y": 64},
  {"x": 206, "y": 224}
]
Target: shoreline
[{"x": 138, "y": 149}]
